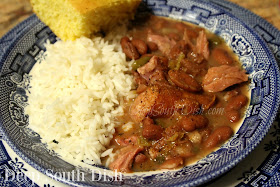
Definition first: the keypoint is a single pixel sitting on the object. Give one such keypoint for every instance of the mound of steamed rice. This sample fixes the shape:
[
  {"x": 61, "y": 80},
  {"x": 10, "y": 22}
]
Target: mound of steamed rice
[{"x": 76, "y": 92}]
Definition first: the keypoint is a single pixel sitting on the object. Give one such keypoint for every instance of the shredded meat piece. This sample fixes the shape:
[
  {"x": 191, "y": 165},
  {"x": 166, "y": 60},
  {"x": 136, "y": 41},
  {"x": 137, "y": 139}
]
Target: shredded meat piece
[
  {"x": 163, "y": 42},
  {"x": 219, "y": 78},
  {"x": 125, "y": 158},
  {"x": 187, "y": 40},
  {"x": 202, "y": 45},
  {"x": 154, "y": 72},
  {"x": 149, "y": 67}
]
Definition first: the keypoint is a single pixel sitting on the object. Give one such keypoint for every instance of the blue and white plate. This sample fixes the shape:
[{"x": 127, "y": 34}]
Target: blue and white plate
[{"x": 22, "y": 154}]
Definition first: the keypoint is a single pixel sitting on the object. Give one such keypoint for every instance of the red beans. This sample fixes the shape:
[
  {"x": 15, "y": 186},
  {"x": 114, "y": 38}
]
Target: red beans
[
  {"x": 237, "y": 102},
  {"x": 233, "y": 107},
  {"x": 221, "y": 56},
  {"x": 150, "y": 130},
  {"x": 192, "y": 122},
  {"x": 135, "y": 48},
  {"x": 233, "y": 115},
  {"x": 128, "y": 48},
  {"x": 152, "y": 46},
  {"x": 184, "y": 80},
  {"x": 218, "y": 136},
  {"x": 124, "y": 40},
  {"x": 140, "y": 45}
]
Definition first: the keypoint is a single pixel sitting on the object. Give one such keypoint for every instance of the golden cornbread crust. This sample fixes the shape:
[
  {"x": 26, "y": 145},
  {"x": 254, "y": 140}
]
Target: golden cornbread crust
[
  {"x": 71, "y": 19},
  {"x": 84, "y": 6}
]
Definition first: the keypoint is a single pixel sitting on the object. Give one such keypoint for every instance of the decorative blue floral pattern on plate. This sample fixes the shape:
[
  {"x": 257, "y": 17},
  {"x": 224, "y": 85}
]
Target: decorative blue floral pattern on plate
[
  {"x": 22, "y": 46},
  {"x": 12, "y": 171}
]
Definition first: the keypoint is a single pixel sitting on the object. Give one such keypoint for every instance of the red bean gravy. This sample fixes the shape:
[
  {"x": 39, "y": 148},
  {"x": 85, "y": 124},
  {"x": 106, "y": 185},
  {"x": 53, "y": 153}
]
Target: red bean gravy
[{"x": 192, "y": 95}]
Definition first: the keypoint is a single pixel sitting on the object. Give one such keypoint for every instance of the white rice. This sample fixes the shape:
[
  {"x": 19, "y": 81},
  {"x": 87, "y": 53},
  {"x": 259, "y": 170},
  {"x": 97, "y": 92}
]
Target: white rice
[
  {"x": 128, "y": 126},
  {"x": 75, "y": 95}
]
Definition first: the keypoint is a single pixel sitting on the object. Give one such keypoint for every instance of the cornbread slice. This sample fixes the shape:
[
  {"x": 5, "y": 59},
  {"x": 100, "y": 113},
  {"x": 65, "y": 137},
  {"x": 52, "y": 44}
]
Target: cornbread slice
[{"x": 71, "y": 19}]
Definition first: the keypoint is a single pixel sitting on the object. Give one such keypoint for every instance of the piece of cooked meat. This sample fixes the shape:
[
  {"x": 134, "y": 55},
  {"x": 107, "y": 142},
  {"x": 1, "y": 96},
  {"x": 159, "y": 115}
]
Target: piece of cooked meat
[
  {"x": 163, "y": 42},
  {"x": 143, "y": 104},
  {"x": 125, "y": 158},
  {"x": 155, "y": 101},
  {"x": 219, "y": 78},
  {"x": 202, "y": 45},
  {"x": 72, "y": 19}
]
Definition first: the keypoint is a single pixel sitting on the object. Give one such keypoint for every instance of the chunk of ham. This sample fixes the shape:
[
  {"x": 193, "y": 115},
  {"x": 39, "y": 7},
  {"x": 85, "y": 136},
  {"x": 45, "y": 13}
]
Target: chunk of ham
[
  {"x": 165, "y": 102},
  {"x": 154, "y": 72},
  {"x": 143, "y": 104},
  {"x": 163, "y": 42},
  {"x": 219, "y": 78},
  {"x": 187, "y": 40},
  {"x": 162, "y": 101},
  {"x": 149, "y": 67},
  {"x": 125, "y": 158},
  {"x": 202, "y": 45},
  {"x": 156, "y": 101}
]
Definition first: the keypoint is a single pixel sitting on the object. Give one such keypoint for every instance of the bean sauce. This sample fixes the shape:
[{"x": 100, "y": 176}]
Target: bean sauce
[{"x": 192, "y": 95}]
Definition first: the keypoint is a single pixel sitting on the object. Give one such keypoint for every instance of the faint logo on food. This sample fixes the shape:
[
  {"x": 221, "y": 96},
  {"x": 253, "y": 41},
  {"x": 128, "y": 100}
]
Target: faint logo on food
[
  {"x": 161, "y": 110},
  {"x": 212, "y": 111},
  {"x": 240, "y": 45}
]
